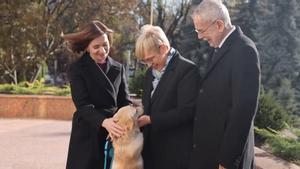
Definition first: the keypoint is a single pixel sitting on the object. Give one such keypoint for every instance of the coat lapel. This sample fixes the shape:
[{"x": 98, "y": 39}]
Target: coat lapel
[
  {"x": 113, "y": 70},
  {"x": 222, "y": 51},
  {"x": 147, "y": 93},
  {"x": 100, "y": 77},
  {"x": 163, "y": 83}
]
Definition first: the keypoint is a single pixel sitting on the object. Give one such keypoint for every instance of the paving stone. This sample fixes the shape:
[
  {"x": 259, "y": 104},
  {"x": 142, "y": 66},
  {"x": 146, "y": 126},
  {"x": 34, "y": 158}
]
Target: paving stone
[{"x": 43, "y": 144}]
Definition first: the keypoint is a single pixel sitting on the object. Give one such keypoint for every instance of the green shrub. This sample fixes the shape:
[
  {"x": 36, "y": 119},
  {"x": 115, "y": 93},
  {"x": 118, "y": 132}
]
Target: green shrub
[
  {"x": 296, "y": 131},
  {"x": 286, "y": 148},
  {"x": 261, "y": 135},
  {"x": 6, "y": 88},
  {"x": 60, "y": 91},
  {"x": 36, "y": 88},
  {"x": 280, "y": 146},
  {"x": 270, "y": 113},
  {"x": 23, "y": 90},
  {"x": 23, "y": 84},
  {"x": 136, "y": 83},
  {"x": 295, "y": 121}
]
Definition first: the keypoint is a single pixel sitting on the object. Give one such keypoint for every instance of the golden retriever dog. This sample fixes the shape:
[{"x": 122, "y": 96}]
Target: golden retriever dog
[{"x": 128, "y": 148}]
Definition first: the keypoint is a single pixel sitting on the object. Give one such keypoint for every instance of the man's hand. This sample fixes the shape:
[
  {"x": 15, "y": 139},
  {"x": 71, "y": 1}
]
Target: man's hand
[
  {"x": 221, "y": 167},
  {"x": 144, "y": 120}
]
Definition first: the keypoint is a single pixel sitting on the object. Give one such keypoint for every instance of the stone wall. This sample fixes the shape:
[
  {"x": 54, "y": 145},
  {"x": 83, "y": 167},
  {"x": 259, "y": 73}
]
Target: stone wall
[{"x": 33, "y": 106}]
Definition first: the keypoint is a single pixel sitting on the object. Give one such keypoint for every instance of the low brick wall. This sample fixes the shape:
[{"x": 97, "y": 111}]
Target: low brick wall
[{"x": 34, "y": 106}]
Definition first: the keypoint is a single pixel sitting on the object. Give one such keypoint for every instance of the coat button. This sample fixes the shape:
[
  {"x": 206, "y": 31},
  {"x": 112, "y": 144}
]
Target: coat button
[
  {"x": 201, "y": 91},
  {"x": 195, "y": 119},
  {"x": 194, "y": 145}
]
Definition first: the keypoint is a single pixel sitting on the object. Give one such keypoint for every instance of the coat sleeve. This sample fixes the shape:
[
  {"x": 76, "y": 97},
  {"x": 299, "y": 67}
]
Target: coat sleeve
[
  {"x": 123, "y": 94},
  {"x": 187, "y": 91},
  {"x": 85, "y": 109},
  {"x": 245, "y": 80}
]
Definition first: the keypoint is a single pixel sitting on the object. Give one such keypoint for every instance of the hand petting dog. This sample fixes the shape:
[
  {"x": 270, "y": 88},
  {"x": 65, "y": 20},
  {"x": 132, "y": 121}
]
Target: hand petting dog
[
  {"x": 127, "y": 147},
  {"x": 112, "y": 127},
  {"x": 144, "y": 120}
]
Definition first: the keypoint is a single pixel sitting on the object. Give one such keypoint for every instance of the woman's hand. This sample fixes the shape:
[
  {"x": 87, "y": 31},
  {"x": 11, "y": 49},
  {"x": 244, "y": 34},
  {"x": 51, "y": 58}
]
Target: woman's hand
[
  {"x": 221, "y": 167},
  {"x": 144, "y": 120},
  {"x": 112, "y": 127}
]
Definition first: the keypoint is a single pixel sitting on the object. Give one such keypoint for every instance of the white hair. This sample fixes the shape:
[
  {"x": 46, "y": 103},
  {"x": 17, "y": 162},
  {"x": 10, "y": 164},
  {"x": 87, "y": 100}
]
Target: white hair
[
  {"x": 149, "y": 39},
  {"x": 210, "y": 10}
]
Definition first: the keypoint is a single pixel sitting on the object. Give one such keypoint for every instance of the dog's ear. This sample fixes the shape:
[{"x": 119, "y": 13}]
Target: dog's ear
[{"x": 129, "y": 124}]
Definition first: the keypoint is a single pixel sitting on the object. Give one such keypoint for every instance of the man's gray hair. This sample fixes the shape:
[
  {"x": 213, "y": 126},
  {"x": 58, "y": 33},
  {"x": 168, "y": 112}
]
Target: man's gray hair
[{"x": 210, "y": 10}]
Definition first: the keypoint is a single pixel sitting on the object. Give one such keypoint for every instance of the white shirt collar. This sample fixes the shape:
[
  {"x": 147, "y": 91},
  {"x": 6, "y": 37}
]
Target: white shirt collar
[{"x": 224, "y": 39}]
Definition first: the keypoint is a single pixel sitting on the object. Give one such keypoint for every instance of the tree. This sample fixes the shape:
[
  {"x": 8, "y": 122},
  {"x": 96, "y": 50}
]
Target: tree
[
  {"x": 270, "y": 113},
  {"x": 31, "y": 31},
  {"x": 13, "y": 35},
  {"x": 286, "y": 95},
  {"x": 278, "y": 41},
  {"x": 187, "y": 42},
  {"x": 168, "y": 14},
  {"x": 28, "y": 37},
  {"x": 242, "y": 14}
]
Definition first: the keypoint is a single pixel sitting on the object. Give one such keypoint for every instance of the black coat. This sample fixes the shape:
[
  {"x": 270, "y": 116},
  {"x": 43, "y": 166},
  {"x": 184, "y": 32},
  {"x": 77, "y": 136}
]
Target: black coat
[
  {"x": 226, "y": 107},
  {"x": 96, "y": 96},
  {"x": 168, "y": 139}
]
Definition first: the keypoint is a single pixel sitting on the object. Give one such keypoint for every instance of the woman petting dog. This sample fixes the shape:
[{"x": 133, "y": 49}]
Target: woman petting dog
[
  {"x": 98, "y": 88},
  {"x": 168, "y": 99},
  {"x": 128, "y": 148}
]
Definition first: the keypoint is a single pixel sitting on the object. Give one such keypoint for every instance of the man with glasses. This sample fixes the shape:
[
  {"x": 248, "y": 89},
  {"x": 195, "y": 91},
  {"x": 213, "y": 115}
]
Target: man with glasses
[
  {"x": 223, "y": 136},
  {"x": 169, "y": 101}
]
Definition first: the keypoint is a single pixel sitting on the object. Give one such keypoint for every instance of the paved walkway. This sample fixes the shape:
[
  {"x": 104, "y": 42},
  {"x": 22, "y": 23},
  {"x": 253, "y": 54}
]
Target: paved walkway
[
  {"x": 33, "y": 144},
  {"x": 43, "y": 144}
]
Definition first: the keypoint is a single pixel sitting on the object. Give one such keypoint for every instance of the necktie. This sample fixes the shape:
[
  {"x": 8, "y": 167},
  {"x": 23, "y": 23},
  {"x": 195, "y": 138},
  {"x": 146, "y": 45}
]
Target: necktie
[{"x": 212, "y": 56}]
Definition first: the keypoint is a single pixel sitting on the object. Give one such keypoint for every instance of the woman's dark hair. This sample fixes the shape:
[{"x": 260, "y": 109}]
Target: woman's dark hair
[{"x": 79, "y": 41}]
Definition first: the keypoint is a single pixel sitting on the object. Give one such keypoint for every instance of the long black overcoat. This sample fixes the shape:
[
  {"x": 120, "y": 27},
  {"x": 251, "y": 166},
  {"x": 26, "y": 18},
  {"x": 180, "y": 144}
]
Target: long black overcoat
[
  {"x": 171, "y": 108},
  {"x": 96, "y": 95},
  {"x": 226, "y": 107}
]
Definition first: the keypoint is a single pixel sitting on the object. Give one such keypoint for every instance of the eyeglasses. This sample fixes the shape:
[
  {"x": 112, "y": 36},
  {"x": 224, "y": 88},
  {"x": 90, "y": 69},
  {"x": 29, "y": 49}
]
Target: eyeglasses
[
  {"x": 148, "y": 60},
  {"x": 202, "y": 31},
  {"x": 152, "y": 55}
]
